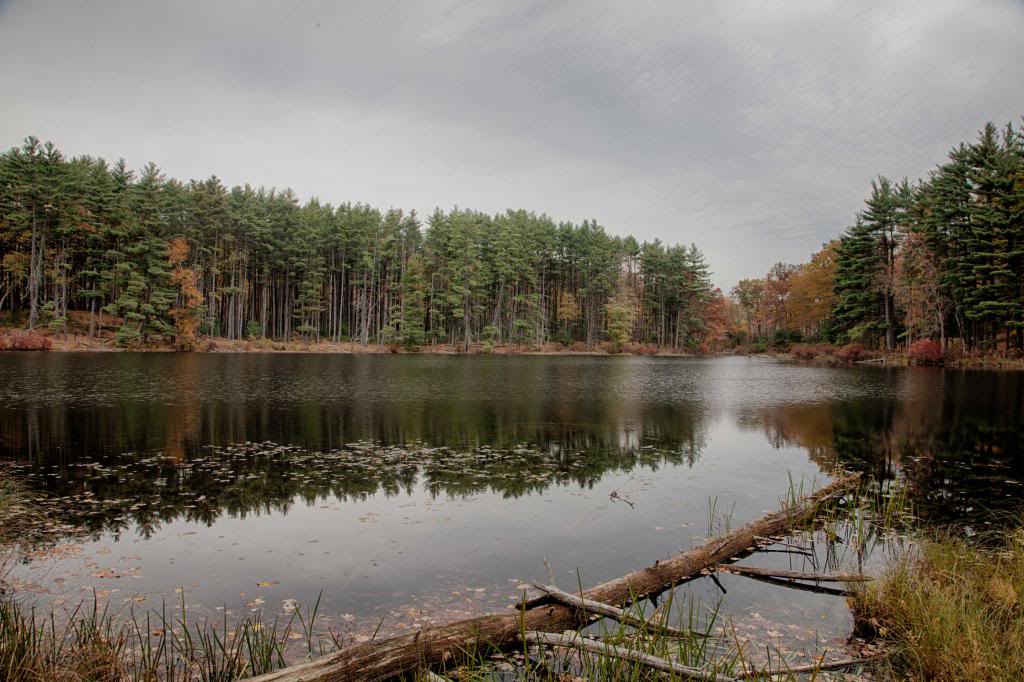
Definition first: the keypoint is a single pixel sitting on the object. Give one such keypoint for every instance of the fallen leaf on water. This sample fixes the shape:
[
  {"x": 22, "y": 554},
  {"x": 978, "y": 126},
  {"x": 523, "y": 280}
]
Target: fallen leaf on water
[{"x": 266, "y": 583}]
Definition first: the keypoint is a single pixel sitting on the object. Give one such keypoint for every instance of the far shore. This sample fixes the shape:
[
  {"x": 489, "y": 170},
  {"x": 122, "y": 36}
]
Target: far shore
[
  {"x": 59, "y": 342},
  {"x": 814, "y": 354}
]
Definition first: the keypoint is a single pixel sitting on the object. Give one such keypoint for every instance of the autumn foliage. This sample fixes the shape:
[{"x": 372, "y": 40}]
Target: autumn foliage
[
  {"x": 809, "y": 351},
  {"x": 186, "y": 313},
  {"x": 851, "y": 352},
  {"x": 926, "y": 352},
  {"x": 26, "y": 342}
]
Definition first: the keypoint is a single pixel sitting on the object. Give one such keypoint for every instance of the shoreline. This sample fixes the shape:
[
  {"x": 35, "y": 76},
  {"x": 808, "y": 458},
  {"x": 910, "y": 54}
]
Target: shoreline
[
  {"x": 82, "y": 343},
  {"x": 821, "y": 355}
]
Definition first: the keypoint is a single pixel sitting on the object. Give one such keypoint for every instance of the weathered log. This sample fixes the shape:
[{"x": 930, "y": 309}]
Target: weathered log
[
  {"x": 616, "y": 614},
  {"x": 448, "y": 644},
  {"x": 578, "y": 641},
  {"x": 796, "y": 575},
  {"x": 797, "y": 585},
  {"x": 839, "y": 664}
]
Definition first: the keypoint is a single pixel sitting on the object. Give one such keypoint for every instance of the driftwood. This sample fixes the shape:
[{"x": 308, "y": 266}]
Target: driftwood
[
  {"x": 446, "y": 645},
  {"x": 616, "y": 614},
  {"x": 839, "y": 664},
  {"x": 817, "y": 588},
  {"x": 577, "y": 641},
  {"x": 795, "y": 575}
]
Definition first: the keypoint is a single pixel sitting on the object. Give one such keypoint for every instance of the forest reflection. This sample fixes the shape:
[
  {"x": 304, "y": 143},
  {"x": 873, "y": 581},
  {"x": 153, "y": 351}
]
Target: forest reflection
[
  {"x": 955, "y": 439},
  {"x": 150, "y": 443}
]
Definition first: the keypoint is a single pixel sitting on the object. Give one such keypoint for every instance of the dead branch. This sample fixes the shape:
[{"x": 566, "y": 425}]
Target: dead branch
[
  {"x": 839, "y": 664},
  {"x": 616, "y": 614},
  {"x": 577, "y": 641},
  {"x": 795, "y": 575}
]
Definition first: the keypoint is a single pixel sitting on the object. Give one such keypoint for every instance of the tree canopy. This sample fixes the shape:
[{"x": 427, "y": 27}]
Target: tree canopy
[{"x": 167, "y": 261}]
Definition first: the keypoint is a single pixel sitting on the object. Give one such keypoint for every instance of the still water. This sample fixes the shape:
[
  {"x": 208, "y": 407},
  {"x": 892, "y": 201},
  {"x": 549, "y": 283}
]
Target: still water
[{"x": 412, "y": 488}]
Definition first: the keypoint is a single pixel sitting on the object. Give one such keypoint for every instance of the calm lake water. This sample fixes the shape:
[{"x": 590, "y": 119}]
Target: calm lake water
[{"x": 411, "y": 488}]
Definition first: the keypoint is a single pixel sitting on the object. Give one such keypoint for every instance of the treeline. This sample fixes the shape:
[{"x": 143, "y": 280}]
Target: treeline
[
  {"x": 171, "y": 261},
  {"x": 936, "y": 259}
]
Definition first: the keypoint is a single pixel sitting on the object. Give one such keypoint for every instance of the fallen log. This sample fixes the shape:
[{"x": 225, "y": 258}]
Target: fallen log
[
  {"x": 817, "y": 588},
  {"x": 446, "y": 645},
  {"x": 795, "y": 575},
  {"x": 839, "y": 664},
  {"x": 616, "y": 614},
  {"x": 578, "y": 641}
]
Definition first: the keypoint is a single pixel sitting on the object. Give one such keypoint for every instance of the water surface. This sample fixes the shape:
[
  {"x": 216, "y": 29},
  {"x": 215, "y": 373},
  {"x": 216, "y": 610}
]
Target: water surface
[{"x": 415, "y": 487}]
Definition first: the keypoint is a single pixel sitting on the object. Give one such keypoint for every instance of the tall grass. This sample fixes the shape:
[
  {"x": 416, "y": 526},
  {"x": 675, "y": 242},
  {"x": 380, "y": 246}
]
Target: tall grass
[
  {"x": 90, "y": 643},
  {"x": 952, "y": 609}
]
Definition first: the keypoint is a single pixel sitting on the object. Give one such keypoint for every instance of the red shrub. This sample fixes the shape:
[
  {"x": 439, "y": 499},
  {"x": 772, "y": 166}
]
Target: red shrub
[
  {"x": 807, "y": 351},
  {"x": 926, "y": 352},
  {"x": 578, "y": 347},
  {"x": 28, "y": 342},
  {"x": 851, "y": 352}
]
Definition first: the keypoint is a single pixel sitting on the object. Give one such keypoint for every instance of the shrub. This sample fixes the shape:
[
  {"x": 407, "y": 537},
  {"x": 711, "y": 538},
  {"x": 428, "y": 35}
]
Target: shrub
[
  {"x": 851, "y": 352},
  {"x": 926, "y": 352},
  {"x": 786, "y": 337},
  {"x": 27, "y": 342},
  {"x": 578, "y": 347},
  {"x": 805, "y": 351},
  {"x": 253, "y": 330},
  {"x": 634, "y": 348}
]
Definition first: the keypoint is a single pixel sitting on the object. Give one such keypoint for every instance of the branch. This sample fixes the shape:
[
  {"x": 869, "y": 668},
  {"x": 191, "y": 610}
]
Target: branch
[
  {"x": 577, "y": 641},
  {"x": 795, "y": 575},
  {"x": 608, "y": 611}
]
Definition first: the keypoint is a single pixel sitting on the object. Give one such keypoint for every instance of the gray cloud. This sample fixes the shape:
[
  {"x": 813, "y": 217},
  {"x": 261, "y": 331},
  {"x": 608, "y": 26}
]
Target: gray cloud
[{"x": 751, "y": 128}]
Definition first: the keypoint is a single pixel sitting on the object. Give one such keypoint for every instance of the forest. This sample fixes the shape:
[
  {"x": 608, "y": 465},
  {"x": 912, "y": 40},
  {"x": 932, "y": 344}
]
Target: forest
[
  {"x": 937, "y": 259},
  {"x": 151, "y": 260}
]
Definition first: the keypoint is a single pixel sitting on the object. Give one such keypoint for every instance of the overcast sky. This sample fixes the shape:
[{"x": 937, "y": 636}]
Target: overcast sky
[{"x": 751, "y": 128}]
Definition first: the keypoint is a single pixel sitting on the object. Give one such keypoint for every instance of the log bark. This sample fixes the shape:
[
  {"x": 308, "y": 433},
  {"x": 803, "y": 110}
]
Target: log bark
[
  {"x": 616, "y": 614},
  {"x": 447, "y": 645},
  {"x": 577, "y": 641},
  {"x": 839, "y": 664},
  {"x": 796, "y": 575}
]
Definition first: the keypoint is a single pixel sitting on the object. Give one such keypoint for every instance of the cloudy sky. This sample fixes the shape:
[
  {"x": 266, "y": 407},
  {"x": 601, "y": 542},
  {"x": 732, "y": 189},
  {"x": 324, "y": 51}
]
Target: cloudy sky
[{"x": 751, "y": 128}]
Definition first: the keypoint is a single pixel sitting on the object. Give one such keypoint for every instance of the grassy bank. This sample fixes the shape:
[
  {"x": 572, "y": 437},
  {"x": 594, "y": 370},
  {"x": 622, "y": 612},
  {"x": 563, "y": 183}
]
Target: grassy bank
[
  {"x": 921, "y": 354},
  {"x": 20, "y": 340},
  {"x": 78, "y": 337},
  {"x": 952, "y": 610}
]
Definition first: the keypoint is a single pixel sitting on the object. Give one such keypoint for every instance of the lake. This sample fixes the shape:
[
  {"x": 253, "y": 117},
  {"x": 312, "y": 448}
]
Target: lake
[{"x": 411, "y": 488}]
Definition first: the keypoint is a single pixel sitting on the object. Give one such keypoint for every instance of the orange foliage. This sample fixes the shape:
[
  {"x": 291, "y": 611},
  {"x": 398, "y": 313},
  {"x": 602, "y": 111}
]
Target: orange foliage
[
  {"x": 186, "y": 314},
  {"x": 811, "y": 295}
]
